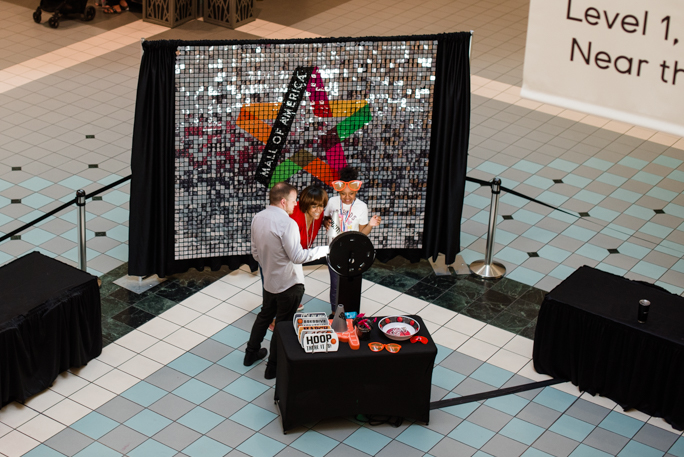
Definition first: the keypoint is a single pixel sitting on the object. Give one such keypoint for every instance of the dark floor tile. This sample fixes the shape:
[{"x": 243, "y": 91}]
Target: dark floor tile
[
  {"x": 174, "y": 291},
  {"x": 461, "y": 363},
  {"x": 68, "y": 442},
  {"x": 483, "y": 311},
  {"x": 511, "y": 287},
  {"x": 105, "y": 342},
  {"x": 656, "y": 437},
  {"x": 398, "y": 282},
  {"x": 123, "y": 439},
  {"x": 230, "y": 433},
  {"x": 376, "y": 274},
  {"x": 116, "y": 273},
  {"x": 112, "y": 306},
  {"x": 452, "y": 301},
  {"x": 555, "y": 444},
  {"x": 128, "y": 296},
  {"x": 606, "y": 441},
  {"x": 119, "y": 409},
  {"x": 133, "y": 317},
  {"x": 418, "y": 270},
  {"x": 167, "y": 378},
  {"x": 539, "y": 415},
  {"x": 489, "y": 418},
  {"x": 501, "y": 446},
  {"x": 113, "y": 329},
  {"x": 534, "y": 295},
  {"x": 528, "y": 332},
  {"x": 483, "y": 285},
  {"x": 449, "y": 448},
  {"x": 588, "y": 412},
  {"x": 224, "y": 404},
  {"x": 443, "y": 282},
  {"x": 218, "y": 376},
  {"x": 107, "y": 288},
  {"x": 177, "y": 436},
  {"x": 155, "y": 305},
  {"x": 524, "y": 309},
  {"x": 424, "y": 292},
  {"x": 496, "y": 298},
  {"x": 510, "y": 322},
  {"x": 211, "y": 350},
  {"x": 172, "y": 406}
]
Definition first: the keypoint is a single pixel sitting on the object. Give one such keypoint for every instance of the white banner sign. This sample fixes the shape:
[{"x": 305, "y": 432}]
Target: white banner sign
[{"x": 622, "y": 60}]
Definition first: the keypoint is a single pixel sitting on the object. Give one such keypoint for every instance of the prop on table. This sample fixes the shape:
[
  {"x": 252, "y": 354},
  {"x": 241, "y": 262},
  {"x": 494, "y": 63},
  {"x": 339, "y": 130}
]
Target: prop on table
[
  {"x": 419, "y": 339},
  {"x": 351, "y": 253},
  {"x": 642, "y": 315},
  {"x": 363, "y": 327},
  {"x": 315, "y": 333},
  {"x": 339, "y": 322},
  {"x": 398, "y": 328},
  {"x": 391, "y": 347}
]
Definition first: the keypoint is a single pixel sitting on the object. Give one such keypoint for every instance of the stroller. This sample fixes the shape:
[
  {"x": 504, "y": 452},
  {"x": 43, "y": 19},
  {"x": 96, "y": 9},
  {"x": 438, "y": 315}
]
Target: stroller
[{"x": 64, "y": 8}]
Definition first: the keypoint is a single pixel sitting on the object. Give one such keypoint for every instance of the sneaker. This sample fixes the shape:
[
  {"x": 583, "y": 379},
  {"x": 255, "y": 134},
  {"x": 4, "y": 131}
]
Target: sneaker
[
  {"x": 251, "y": 357},
  {"x": 300, "y": 307}
]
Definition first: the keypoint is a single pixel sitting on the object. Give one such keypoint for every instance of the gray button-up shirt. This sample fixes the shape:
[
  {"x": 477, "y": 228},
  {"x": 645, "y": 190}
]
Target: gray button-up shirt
[{"x": 277, "y": 248}]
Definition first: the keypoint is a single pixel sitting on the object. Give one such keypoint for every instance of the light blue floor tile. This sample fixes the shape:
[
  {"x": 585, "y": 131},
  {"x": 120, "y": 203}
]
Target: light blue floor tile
[
  {"x": 640, "y": 212},
  {"x": 526, "y": 276},
  {"x": 147, "y": 422},
  {"x": 420, "y": 437},
  {"x": 648, "y": 178},
  {"x": 75, "y": 183},
  {"x": 674, "y": 210},
  {"x": 677, "y": 449},
  {"x": 190, "y": 364},
  {"x": 477, "y": 454},
  {"x": 72, "y": 254},
  {"x": 492, "y": 375},
  {"x": 656, "y": 230},
  {"x": 538, "y": 234},
  {"x": 469, "y": 256},
  {"x": 116, "y": 197},
  {"x": 195, "y": 391},
  {"x": 476, "y": 201},
  {"x": 662, "y": 194},
  {"x": 94, "y": 425},
  {"x": 206, "y": 447},
  {"x": 144, "y": 394},
  {"x": 599, "y": 164},
  {"x": 527, "y": 166},
  {"x": 246, "y": 388},
  {"x": 482, "y": 217},
  {"x": 445, "y": 378},
  {"x": 620, "y": 229},
  {"x": 367, "y": 441},
  {"x": 36, "y": 201},
  {"x": 100, "y": 450},
  {"x": 471, "y": 434},
  {"x": 513, "y": 200},
  {"x": 512, "y": 255},
  {"x": 636, "y": 449},
  {"x": 579, "y": 233},
  {"x": 666, "y": 161},
  {"x": 4, "y": 185},
  {"x": 633, "y": 250},
  {"x": 43, "y": 451},
  {"x": 37, "y": 236},
  {"x": 603, "y": 213},
  {"x": 611, "y": 269},
  {"x": 5, "y": 219},
  {"x": 673, "y": 246},
  {"x": 621, "y": 424},
  {"x": 577, "y": 181},
  {"x": 29, "y": 218},
  {"x": 492, "y": 168},
  {"x": 117, "y": 214},
  {"x": 572, "y": 428},
  {"x": 554, "y": 399},
  {"x": 529, "y": 217},
  {"x": 561, "y": 272},
  {"x": 259, "y": 445},
  {"x": 539, "y": 182},
  {"x": 552, "y": 198},
  {"x": 119, "y": 252},
  {"x": 314, "y": 444},
  {"x": 593, "y": 252},
  {"x": 110, "y": 179},
  {"x": 467, "y": 239},
  {"x": 587, "y": 451},
  {"x": 679, "y": 266},
  {"x": 553, "y": 253},
  {"x": 464, "y": 410},
  {"x": 253, "y": 417},
  {"x": 670, "y": 287},
  {"x": 632, "y": 162},
  {"x": 626, "y": 195},
  {"x": 471, "y": 187},
  {"x": 118, "y": 233},
  {"x": 612, "y": 232},
  {"x": 232, "y": 336},
  {"x": 442, "y": 353},
  {"x": 234, "y": 361},
  {"x": 589, "y": 196},
  {"x": 532, "y": 452},
  {"x": 502, "y": 237},
  {"x": 563, "y": 165},
  {"x": 649, "y": 270},
  {"x": 522, "y": 431},
  {"x": 202, "y": 420},
  {"x": 152, "y": 448},
  {"x": 677, "y": 175},
  {"x": 509, "y": 404}
]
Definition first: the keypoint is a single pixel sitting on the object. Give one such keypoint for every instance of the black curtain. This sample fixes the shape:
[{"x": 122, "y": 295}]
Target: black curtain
[
  {"x": 448, "y": 148},
  {"x": 151, "y": 231}
]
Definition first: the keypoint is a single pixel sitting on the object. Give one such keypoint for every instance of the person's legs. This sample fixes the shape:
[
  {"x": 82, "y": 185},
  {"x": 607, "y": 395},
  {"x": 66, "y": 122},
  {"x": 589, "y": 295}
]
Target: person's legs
[
  {"x": 334, "y": 283},
  {"x": 269, "y": 308},
  {"x": 287, "y": 303}
]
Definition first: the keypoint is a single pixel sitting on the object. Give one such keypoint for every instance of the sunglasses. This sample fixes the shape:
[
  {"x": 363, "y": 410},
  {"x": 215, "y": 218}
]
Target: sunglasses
[
  {"x": 391, "y": 347},
  {"x": 354, "y": 186}
]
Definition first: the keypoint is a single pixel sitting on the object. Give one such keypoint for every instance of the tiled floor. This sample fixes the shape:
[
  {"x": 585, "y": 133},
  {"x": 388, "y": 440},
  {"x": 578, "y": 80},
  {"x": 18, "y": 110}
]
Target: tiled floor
[{"x": 169, "y": 381}]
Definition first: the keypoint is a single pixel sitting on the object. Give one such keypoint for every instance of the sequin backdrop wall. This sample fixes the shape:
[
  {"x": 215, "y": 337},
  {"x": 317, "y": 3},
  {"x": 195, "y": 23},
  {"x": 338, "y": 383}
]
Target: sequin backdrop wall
[{"x": 251, "y": 115}]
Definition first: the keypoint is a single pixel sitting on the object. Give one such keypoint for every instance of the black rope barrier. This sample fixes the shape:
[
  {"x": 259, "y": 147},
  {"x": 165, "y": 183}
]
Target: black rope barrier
[
  {"x": 518, "y": 194},
  {"x": 60, "y": 208},
  {"x": 494, "y": 393}
]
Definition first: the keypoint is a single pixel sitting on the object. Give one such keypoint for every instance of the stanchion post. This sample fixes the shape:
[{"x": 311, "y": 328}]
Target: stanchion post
[
  {"x": 487, "y": 268},
  {"x": 80, "y": 202}
]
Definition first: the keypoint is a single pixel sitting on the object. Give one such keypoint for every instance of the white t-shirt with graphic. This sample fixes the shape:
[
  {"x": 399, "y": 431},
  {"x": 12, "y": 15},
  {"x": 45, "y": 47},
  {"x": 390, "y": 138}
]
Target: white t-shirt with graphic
[{"x": 342, "y": 221}]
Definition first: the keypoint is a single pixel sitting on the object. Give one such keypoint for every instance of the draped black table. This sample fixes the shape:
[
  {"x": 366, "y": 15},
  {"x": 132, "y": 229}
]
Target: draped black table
[
  {"x": 311, "y": 387},
  {"x": 587, "y": 332},
  {"x": 49, "y": 322}
]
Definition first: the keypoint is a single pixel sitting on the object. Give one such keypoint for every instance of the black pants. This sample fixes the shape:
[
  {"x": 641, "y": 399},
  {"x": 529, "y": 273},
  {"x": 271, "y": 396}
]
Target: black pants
[{"x": 283, "y": 307}]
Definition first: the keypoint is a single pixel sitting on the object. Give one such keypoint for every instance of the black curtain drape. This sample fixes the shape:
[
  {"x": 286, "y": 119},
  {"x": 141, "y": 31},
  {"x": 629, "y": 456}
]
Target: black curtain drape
[
  {"x": 151, "y": 231},
  {"x": 448, "y": 148}
]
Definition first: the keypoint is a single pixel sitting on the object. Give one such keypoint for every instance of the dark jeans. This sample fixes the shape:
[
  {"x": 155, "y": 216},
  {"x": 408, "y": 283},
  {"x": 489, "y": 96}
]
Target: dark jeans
[
  {"x": 334, "y": 283},
  {"x": 283, "y": 307}
]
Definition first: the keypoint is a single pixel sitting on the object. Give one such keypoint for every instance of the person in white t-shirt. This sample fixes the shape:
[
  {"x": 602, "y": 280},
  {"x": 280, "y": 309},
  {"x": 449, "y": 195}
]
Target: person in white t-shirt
[{"x": 344, "y": 213}]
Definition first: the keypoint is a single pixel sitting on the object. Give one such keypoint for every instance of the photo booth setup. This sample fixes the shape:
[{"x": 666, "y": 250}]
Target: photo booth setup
[{"x": 218, "y": 123}]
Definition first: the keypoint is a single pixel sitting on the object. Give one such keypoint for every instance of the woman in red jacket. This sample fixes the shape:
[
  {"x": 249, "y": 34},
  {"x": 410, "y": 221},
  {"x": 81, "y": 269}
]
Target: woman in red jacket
[{"x": 308, "y": 214}]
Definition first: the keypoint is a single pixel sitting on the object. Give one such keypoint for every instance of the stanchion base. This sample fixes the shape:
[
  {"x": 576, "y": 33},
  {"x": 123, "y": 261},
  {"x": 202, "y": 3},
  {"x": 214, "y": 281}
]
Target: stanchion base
[{"x": 492, "y": 271}]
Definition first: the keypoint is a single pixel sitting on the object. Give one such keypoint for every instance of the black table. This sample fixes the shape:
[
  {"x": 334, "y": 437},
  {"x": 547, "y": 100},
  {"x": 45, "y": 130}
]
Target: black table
[
  {"x": 311, "y": 387},
  {"x": 49, "y": 322},
  {"x": 587, "y": 332}
]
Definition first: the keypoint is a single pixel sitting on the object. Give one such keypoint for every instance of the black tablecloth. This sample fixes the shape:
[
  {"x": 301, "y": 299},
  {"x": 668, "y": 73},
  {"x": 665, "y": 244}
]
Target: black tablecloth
[
  {"x": 587, "y": 332},
  {"x": 310, "y": 387},
  {"x": 49, "y": 321}
]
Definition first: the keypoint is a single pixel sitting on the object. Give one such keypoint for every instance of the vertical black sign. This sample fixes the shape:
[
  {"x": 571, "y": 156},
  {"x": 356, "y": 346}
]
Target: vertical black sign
[{"x": 282, "y": 124}]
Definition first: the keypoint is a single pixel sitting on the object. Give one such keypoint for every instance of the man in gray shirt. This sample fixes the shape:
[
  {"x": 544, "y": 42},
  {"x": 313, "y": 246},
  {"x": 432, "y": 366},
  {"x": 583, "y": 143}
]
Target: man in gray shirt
[{"x": 277, "y": 248}]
